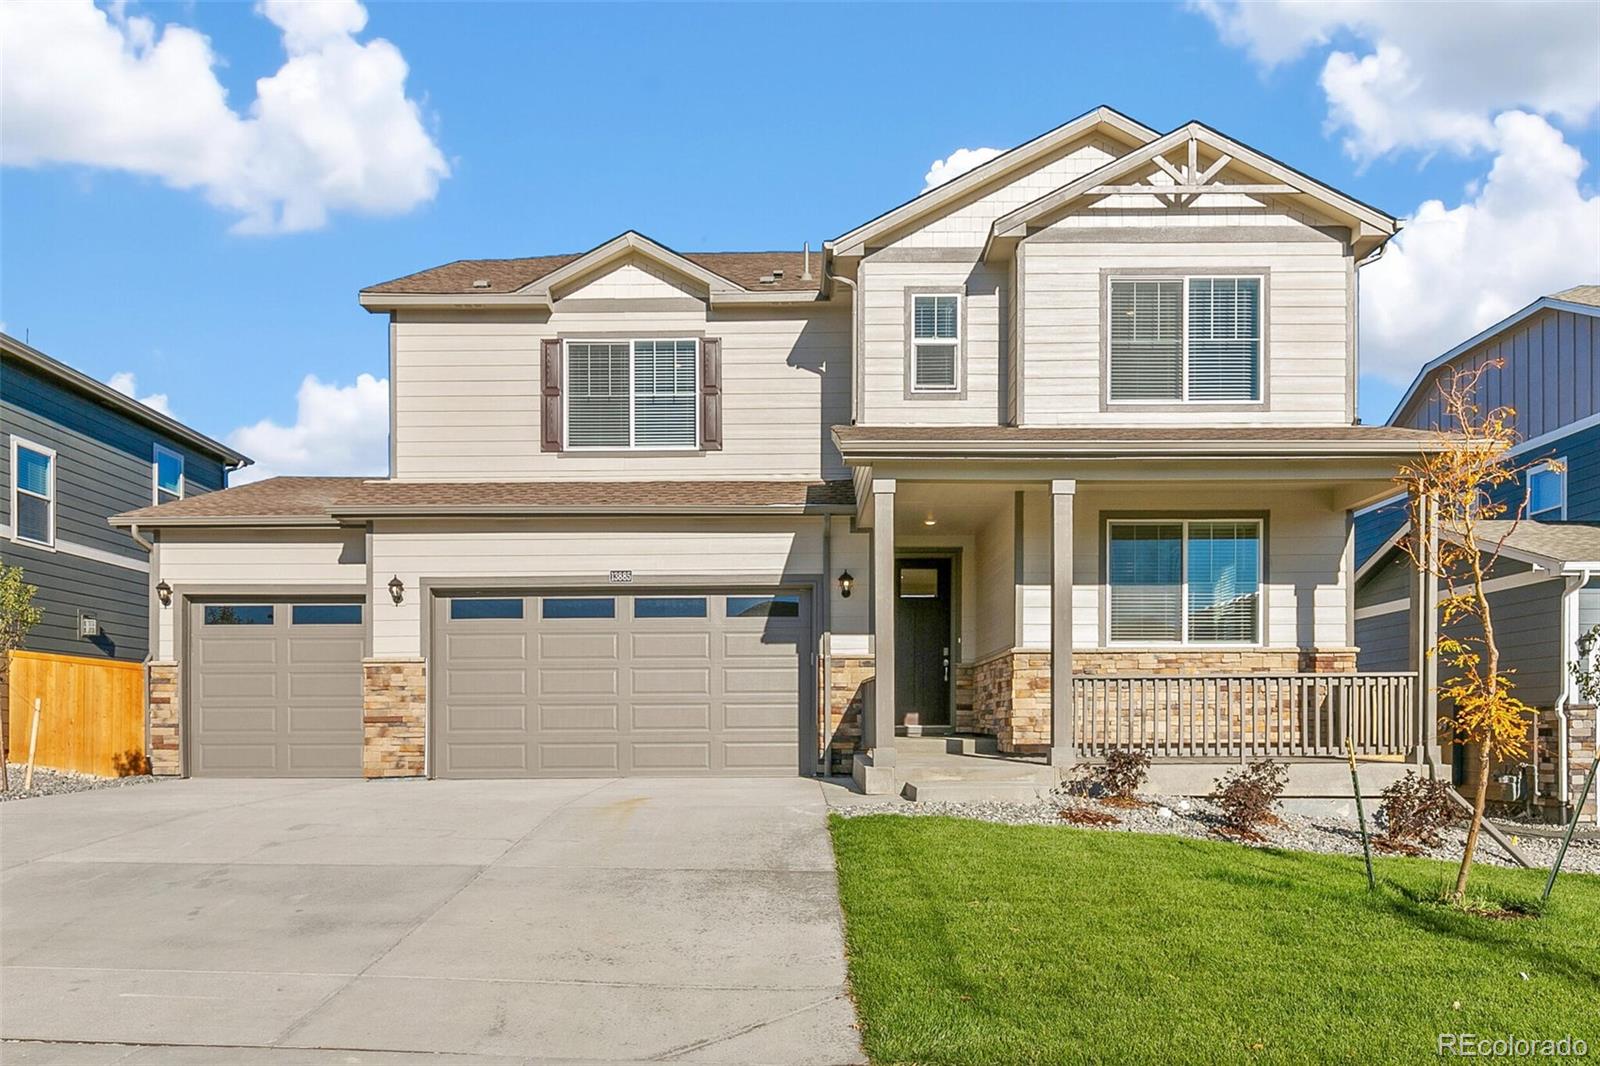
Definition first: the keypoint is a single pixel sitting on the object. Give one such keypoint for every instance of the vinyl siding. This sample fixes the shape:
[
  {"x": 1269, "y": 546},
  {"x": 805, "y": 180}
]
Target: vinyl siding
[
  {"x": 467, "y": 391},
  {"x": 996, "y": 605},
  {"x": 1307, "y": 342},
  {"x": 1385, "y": 643},
  {"x": 102, "y": 467},
  {"x": 258, "y": 558},
  {"x": 765, "y": 550},
  {"x": 1549, "y": 379},
  {"x": 884, "y": 287}
]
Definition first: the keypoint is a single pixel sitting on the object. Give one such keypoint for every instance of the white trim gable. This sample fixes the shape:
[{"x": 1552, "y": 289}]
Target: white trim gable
[
  {"x": 1369, "y": 227},
  {"x": 1102, "y": 119},
  {"x": 620, "y": 247}
]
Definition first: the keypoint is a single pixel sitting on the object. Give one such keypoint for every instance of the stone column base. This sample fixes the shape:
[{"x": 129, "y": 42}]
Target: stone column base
[
  {"x": 394, "y": 713},
  {"x": 165, "y": 717},
  {"x": 848, "y": 690}
]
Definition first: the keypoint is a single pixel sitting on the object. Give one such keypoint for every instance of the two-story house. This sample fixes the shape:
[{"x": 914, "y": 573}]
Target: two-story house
[
  {"x": 74, "y": 452},
  {"x": 1546, "y": 584},
  {"x": 1062, "y": 452}
]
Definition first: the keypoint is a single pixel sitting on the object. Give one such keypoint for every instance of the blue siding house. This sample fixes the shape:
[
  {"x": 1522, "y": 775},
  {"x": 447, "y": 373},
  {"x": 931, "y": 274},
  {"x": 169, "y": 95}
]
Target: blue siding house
[
  {"x": 1548, "y": 579},
  {"x": 74, "y": 452}
]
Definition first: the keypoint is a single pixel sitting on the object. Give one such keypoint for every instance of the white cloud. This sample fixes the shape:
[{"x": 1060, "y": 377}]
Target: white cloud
[
  {"x": 331, "y": 130},
  {"x": 956, "y": 164},
  {"x": 128, "y": 385},
  {"x": 1529, "y": 231},
  {"x": 1429, "y": 76},
  {"x": 338, "y": 429}
]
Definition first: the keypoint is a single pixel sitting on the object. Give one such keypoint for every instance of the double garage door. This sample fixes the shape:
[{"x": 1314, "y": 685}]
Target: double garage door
[
  {"x": 520, "y": 686},
  {"x": 600, "y": 686}
]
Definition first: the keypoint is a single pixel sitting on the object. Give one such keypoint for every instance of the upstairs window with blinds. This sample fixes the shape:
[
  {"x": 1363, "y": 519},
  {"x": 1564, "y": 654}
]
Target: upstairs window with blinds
[
  {"x": 632, "y": 394},
  {"x": 935, "y": 343},
  {"x": 1184, "y": 582},
  {"x": 1185, "y": 340}
]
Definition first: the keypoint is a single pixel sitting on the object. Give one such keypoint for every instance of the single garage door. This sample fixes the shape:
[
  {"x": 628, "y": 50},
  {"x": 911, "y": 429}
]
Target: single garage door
[
  {"x": 603, "y": 686},
  {"x": 275, "y": 689}
]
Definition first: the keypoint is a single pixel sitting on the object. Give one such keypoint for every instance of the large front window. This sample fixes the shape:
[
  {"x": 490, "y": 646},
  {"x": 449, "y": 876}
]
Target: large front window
[
  {"x": 1185, "y": 339},
  {"x": 1184, "y": 582},
  {"x": 633, "y": 394}
]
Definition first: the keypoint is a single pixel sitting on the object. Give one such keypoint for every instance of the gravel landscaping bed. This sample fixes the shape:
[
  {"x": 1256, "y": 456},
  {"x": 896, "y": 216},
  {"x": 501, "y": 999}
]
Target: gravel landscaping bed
[
  {"x": 1199, "y": 818},
  {"x": 60, "y": 782}
]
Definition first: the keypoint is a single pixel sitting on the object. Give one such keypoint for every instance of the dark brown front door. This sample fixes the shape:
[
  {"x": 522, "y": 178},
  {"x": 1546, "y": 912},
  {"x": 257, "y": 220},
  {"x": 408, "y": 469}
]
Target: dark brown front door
[{"x": 922, "y": 642}]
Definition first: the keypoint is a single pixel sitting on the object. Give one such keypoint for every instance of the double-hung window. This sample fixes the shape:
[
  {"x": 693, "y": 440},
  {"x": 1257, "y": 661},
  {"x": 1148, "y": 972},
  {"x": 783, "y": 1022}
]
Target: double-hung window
[
  {"x": 1184, "y": 582},
  {"x": 1185, "y": 340},
  {"x": 33, "y": 493},
  {"x": 166, "y": 471},
  {"x": 1547, "y": 493},
  {"x": 633, "y": 394},
  {"x": 935, "y": 342}
]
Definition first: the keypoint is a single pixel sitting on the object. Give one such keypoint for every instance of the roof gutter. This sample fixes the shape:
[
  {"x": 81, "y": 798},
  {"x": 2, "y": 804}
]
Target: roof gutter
[
  {"x": 560, "y": 511},
  {"x": 1197, "y": 450}
]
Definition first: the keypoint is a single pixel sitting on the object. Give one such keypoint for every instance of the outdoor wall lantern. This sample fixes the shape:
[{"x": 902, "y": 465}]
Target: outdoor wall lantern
[
  {"x": 397, "y": 589},
  {"x": 846, "y": 584},
  {"x": 164, "y": 594}
]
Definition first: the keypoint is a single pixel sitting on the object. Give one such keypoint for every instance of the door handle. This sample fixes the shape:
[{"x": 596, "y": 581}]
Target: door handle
[{"x": 946, "y": 661}]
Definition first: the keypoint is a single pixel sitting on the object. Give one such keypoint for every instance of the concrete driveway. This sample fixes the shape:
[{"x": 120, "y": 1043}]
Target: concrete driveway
[{"x": 639, "y": 920}]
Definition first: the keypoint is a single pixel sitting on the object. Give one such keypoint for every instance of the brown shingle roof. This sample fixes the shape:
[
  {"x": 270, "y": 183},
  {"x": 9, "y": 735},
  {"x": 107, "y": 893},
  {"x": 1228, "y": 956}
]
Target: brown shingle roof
[
  {"x": 1580, "y": 294},
  {"x": 745, "y": 269},
  {"x": 311, "y": 499},
  {"x": 1564, "y": 542}
]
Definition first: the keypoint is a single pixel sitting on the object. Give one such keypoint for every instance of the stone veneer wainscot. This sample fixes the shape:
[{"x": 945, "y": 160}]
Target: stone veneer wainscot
[{"x": 394, "y": 704}]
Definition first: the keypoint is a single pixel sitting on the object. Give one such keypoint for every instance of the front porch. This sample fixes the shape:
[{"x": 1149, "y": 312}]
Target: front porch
[{"x": 1206, "y": 620}]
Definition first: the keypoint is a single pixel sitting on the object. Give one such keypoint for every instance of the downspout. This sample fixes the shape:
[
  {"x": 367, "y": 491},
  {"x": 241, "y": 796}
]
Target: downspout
[
  {"x": 138, "y": 538},
  {"x": 825, "y": 700},
  {"x": 855, "y": 354},
  {"x": 1569, "y": 612}
]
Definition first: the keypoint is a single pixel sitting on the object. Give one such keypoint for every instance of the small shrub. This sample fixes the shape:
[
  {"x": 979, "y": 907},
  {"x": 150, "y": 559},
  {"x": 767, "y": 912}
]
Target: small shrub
[
  {"x": 1414, "y": 810},
  {"x": 1122, "y": 775},
  {"x": 1089, "y": 816},
  {"x": 1247, "y": 796}
]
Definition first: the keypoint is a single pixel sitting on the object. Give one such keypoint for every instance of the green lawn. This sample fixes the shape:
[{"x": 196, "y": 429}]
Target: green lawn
[{"x": 974, "y": 943}]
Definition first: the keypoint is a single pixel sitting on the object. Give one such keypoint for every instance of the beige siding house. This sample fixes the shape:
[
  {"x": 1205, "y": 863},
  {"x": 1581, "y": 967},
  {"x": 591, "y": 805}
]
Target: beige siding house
[{"x": 1061, "y": 455}]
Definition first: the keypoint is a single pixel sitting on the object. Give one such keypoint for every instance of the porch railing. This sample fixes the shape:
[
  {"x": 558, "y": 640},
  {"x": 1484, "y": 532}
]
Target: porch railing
[{"x": 1245, "y": 715}]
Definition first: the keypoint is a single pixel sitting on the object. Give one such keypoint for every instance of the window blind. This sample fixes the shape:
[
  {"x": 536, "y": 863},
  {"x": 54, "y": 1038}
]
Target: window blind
[
  {"x": 1146, "y": 340},
  {"x": 597, "y": 395},
  {"x": 1224, "y": 582},
  {"x": 935, "y": 319},
  {"x": 33, "y": 496},
  {"x": 665, "y": 395},
  {"x": 1224, "y": 339},
  {"x": 1145, "y": 563}
]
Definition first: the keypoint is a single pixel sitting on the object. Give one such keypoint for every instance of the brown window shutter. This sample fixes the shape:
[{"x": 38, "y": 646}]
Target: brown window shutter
[
  {"x": 711, "y": 394},
  {"x": 550, "y": 390}
]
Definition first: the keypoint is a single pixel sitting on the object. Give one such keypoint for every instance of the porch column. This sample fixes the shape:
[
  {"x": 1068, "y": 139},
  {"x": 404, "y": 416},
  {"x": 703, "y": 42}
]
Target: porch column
[
  {"x": 1424, "y": 634},
  {"x": 873, "y": 767},
  {"x": 1061, "y": 738}
]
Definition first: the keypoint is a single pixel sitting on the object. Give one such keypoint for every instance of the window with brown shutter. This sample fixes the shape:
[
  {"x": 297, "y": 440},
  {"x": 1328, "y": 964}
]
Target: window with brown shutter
[
  {"x": 550, "y": 389},
  {"x": 711, "y": 394}
]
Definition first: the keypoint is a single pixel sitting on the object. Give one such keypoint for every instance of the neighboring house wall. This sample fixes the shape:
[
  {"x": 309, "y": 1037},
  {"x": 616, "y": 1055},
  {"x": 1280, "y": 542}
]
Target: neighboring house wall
[
  {"x": 1550, "y": 378},
  {"x": 467, "y": 385},
  {"x": 102, "y": 467}
]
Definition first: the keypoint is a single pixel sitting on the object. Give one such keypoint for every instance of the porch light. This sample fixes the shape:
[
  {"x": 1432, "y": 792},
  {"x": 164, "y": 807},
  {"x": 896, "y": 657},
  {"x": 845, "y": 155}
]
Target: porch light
[
  {"x": 397, "y": 589},
  {"x": 164, "y": 594},
  {"x": 929, "y": 521},
  {"x": 846, "y": 584}
]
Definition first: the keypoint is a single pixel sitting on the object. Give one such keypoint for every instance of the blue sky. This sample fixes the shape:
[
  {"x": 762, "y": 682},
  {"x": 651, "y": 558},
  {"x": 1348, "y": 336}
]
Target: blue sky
[{"x": 715, "y": 128}]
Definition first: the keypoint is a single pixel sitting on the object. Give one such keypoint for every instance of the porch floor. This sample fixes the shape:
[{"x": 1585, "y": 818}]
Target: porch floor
[{"x": 964, "y": 768}]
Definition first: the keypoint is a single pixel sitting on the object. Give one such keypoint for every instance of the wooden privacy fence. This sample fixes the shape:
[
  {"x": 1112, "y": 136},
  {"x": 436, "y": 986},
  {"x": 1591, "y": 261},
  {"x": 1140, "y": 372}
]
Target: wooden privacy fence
[
  {"x": 1245, "y": 715},
  {"x": 92, "y": 718}
]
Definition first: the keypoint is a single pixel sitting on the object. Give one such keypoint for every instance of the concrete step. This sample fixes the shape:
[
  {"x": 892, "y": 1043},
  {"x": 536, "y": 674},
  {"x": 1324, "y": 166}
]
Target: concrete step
[
  {"x": 972, "y": 791},
  {"x": 967, "y": 744}
]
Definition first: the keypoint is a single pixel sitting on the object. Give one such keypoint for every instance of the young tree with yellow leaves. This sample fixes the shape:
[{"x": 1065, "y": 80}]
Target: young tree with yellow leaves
[{"x": 1456, "y": 483}]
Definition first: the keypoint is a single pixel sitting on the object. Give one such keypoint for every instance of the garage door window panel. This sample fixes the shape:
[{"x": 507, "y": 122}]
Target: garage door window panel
[
  {"x": 463, "y": 609},
  {"x": 325, "y": 614},
  {"x": 239, "y": 614},
  {"x": 669, "y": 607},
  {"x": 579, "y": 607},
  {"x": 763, "y": 606}
]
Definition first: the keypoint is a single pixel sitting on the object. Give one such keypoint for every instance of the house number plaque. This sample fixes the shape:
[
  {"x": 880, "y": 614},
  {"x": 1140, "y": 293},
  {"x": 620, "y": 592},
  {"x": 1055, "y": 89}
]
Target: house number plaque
[{"x": 622, "y": 577}]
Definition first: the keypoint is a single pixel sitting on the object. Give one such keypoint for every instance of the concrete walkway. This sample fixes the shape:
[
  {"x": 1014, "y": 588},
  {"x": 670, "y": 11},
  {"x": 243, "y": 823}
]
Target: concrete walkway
[{"x": 275, "y": 922}]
